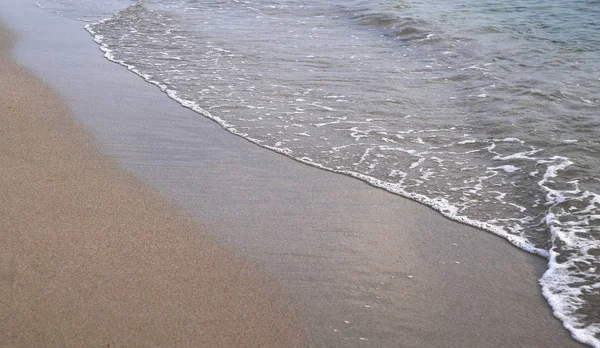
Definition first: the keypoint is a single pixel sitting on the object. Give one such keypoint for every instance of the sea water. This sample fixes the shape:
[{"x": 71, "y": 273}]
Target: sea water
[{"x": 487, "y": 111}]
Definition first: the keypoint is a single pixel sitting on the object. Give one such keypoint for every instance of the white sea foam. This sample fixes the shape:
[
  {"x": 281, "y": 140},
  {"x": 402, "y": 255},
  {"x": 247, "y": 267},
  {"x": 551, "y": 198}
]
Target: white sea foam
[{"x": 506, "y": 168}]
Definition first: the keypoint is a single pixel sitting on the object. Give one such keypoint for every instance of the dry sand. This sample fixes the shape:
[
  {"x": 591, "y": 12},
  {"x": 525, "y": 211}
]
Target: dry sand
[{"x": 89, "y": 257}]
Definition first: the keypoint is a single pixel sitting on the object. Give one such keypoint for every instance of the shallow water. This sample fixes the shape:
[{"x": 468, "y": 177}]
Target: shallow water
[{"x": 488, "y": 113}]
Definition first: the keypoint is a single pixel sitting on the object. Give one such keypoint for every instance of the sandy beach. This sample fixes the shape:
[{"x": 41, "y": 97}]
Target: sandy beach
[
  {"x": 90, "y": 257},
  {"x": 274, "y": 252}
]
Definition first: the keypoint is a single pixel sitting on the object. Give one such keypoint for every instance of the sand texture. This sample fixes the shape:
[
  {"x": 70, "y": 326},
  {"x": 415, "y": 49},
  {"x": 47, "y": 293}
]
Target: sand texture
[{"x": 89, "y": 257}]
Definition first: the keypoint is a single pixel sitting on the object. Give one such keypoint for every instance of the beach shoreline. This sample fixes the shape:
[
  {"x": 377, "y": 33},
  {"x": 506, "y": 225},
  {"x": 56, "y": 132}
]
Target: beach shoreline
[
  {"x": 365, "y": 266},
  {"x": 92, "y": 257}
]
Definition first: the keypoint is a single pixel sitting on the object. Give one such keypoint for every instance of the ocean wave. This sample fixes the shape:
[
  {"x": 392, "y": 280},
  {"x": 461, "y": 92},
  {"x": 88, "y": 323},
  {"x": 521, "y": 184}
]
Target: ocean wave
[{"x": 505, "y": 185}]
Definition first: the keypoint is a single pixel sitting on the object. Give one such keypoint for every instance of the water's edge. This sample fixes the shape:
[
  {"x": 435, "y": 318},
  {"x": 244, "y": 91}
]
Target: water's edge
[{"x": 561, "y": 305}]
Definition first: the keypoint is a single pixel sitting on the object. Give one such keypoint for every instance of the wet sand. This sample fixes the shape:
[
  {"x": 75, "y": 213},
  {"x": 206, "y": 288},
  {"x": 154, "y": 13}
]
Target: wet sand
[
  {"x": 366, "y": 268},
  {"x": 90, "y": 257}
]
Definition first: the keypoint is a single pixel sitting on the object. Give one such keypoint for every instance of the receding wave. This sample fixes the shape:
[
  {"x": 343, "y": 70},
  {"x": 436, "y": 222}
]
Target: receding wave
[{"x": 434, "y": 120}]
